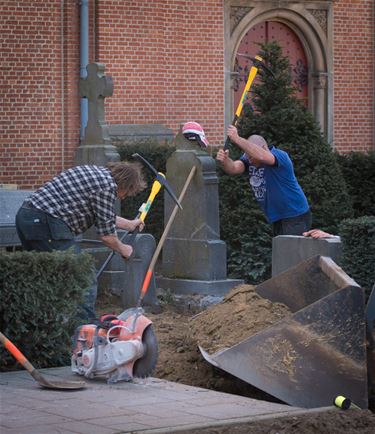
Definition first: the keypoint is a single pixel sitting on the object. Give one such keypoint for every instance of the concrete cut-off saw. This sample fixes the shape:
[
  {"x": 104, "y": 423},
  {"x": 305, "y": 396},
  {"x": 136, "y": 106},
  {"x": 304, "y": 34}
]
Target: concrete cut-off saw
[{"x": 117, "y": 348}]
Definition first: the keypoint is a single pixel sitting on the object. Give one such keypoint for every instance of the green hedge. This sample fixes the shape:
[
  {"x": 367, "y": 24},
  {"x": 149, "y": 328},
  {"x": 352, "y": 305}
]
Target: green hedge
[
  {"x": 358, "y": 170},
  {"x": 358, "y": 250},
  {"x": 39, "y": 295}
]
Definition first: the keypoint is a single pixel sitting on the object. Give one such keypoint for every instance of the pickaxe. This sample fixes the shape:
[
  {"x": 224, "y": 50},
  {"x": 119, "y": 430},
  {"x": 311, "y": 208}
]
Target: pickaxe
[
  {"x": 145, "y": 207},
  {"x": 257, "y": 64},
  {"x": 159, "y": 177}
]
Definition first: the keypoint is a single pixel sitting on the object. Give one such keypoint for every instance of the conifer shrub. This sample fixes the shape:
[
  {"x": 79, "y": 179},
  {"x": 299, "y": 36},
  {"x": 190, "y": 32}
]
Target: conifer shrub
[
  {"x": 245, "y": 230},
  {"x": 359, "y": 173},
  {"x": 39, "y": 298},
  {"x": 358, "y": 250}
]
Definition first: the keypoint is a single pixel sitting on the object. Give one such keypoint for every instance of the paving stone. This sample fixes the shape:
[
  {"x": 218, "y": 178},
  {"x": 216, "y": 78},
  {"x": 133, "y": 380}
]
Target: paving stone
[{"x": 149, "y": 405}]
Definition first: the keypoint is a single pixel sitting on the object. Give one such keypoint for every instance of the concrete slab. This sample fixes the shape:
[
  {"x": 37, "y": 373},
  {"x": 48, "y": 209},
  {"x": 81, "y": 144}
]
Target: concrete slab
[{"x": 145, "y": 406}]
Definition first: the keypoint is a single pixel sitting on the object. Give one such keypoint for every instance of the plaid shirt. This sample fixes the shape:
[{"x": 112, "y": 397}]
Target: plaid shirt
[{"x": 81, "y": 196}]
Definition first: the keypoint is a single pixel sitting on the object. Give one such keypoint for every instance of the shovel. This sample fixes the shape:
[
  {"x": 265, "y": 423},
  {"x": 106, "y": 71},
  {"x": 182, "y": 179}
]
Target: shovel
[{"x": 42, "y": 381}]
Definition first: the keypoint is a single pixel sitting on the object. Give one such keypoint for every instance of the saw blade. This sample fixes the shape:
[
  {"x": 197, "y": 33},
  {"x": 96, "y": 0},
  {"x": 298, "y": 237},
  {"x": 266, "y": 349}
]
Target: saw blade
[{"x": 144, "y": 366}]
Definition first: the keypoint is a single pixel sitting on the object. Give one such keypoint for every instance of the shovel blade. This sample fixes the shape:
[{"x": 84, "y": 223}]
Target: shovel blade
[
  {"x": 309, "y": 358},
  {"x": 56, "y": 384}
]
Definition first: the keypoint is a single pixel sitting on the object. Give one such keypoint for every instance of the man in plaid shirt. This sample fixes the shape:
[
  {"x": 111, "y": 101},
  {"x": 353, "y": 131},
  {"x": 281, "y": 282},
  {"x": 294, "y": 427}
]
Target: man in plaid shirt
[{"x": 72, "y": 202}]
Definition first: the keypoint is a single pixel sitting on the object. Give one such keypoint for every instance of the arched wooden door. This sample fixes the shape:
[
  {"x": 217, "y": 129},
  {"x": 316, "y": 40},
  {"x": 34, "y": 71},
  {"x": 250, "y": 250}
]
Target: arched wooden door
[{"x": 269, "y": 31}]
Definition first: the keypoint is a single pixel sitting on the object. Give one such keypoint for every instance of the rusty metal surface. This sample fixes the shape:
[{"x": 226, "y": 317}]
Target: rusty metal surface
[
  {"x": 305, "y": 283},
  {"x": 316, "y": 354}
]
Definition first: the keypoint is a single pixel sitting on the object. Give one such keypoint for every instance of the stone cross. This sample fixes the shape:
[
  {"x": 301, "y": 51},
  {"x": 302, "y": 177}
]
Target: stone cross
[{"x": 95, "y": 87}]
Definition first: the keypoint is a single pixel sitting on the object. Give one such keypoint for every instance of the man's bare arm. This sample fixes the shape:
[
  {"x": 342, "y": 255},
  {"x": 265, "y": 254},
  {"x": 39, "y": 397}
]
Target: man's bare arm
[
  {"x": 229, "y": 166},
  {"x": 129, "y": 225},
  {"x": 259, "y": 153},
  {"x": 113, "y": 242}
]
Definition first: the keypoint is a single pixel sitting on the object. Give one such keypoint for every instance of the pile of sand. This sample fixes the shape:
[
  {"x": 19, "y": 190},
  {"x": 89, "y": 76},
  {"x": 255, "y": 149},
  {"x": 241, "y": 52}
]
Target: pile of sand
[{"x": 241, "y": 314}]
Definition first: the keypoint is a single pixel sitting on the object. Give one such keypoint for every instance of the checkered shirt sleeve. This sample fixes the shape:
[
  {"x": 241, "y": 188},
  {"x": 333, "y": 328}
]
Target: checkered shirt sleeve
[{"x": 103, "y": 207}]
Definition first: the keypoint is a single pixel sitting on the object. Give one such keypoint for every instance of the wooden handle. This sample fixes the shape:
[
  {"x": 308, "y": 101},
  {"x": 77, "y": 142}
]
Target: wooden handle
[{"x": 147, "y": 279}]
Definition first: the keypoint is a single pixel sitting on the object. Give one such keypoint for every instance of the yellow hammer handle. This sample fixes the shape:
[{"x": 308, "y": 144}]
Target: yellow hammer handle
[{"x": 252, "y": 74}]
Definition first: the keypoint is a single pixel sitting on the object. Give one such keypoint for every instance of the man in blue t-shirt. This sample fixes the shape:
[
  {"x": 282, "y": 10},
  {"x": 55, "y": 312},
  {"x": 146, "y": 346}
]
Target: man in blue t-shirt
[{"x": 272, "y": 179}]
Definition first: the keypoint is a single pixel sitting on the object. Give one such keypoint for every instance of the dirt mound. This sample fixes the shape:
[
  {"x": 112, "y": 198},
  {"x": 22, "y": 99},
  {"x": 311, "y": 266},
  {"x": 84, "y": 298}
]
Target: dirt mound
[{"x": 241, "y": 314}]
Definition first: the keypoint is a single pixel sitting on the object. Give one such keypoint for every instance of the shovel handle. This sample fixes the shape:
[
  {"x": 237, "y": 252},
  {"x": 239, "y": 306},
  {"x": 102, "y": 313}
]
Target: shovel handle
[
  {"x": 150, "y": 269},
  {"x": 16, "y": 353},
  {"x": 156, "y": 186},
  {"x": 252, "y": 74}
]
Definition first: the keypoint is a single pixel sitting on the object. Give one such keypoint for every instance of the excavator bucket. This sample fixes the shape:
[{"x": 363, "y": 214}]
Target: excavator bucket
[{"x": 317, "y": 353}]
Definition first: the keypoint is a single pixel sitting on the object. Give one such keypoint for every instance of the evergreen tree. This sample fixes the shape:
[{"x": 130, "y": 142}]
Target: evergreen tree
[
  {"x": 244, "y": 229},
  {"x": 281, "y": 118}
]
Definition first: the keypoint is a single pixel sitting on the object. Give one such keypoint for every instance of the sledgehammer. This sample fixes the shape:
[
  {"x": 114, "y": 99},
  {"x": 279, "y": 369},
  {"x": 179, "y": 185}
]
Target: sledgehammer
[{"x": 257, "y": 64}]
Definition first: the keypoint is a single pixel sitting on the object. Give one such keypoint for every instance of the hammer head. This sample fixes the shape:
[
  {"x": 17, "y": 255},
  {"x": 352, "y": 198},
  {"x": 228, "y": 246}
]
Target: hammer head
[{"x": 159, "y": 176}]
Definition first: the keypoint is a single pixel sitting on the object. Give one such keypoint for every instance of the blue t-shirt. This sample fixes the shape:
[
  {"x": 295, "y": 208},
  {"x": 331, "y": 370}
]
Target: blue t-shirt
[{"x": 276, "y": 187}]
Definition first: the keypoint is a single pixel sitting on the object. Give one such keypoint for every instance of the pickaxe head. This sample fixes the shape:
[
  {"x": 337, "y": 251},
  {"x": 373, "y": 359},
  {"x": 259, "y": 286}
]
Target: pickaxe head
[
  {"x": 258, "y": 62},
  {"x": 159, "y": 176}
]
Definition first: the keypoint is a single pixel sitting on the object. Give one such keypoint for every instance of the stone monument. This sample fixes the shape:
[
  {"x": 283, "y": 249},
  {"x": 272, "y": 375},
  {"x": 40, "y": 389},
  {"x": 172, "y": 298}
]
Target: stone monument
[
  {"x": 194, "y": 258},
  {"x": 10, "y": 202},
  {"x": 96, "y": 146},
  {"x": 290, "y": 250}
]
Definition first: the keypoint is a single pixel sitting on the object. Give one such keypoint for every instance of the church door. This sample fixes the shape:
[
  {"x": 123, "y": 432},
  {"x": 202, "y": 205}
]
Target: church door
[{"x": 264, "y": 32}]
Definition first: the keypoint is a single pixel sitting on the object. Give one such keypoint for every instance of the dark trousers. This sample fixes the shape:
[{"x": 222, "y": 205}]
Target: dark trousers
[
  {"x": 39, "y": 231},
  {"x": 292, "y": 226}
]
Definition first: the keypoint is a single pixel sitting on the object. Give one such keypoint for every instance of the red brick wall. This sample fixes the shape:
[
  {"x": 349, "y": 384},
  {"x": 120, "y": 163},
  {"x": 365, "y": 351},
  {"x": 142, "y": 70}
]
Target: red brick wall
[
  {"x": 32, "y": 124},
  {"x": 167, "y": 60},
  {"x": 354, "y": 75}
]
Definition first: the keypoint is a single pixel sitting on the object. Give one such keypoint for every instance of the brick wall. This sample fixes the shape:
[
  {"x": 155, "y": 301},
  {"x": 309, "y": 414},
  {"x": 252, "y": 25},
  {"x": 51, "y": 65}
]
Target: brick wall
[
  {"x": 167, "y": 61},
  {"x": 32, "y": 47},
  {"x": 354, "y": 75}
]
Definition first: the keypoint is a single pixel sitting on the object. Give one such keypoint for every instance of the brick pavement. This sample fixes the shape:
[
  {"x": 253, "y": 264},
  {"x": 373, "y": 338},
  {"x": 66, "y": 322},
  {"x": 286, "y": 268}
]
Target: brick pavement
[{"x": 144, "y": 406}]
